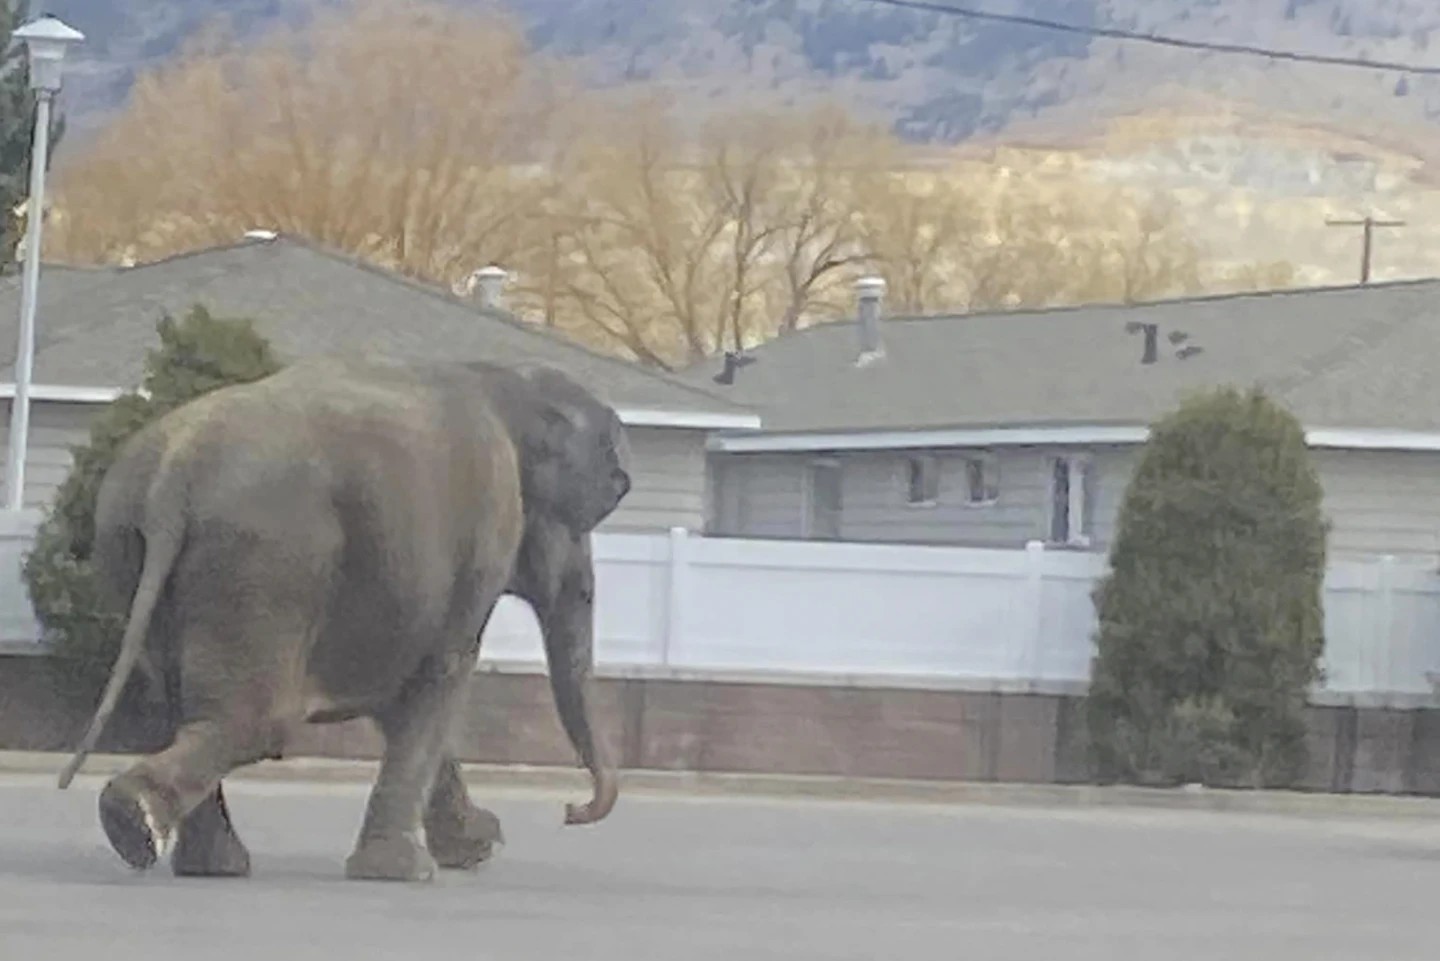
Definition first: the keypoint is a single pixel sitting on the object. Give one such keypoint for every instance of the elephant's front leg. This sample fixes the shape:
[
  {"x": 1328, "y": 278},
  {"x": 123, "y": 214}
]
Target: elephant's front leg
[
  {"x": 389, "y": 847},
  {"x": 459, "y": 834},
  {"x": 208, "y": 845}
]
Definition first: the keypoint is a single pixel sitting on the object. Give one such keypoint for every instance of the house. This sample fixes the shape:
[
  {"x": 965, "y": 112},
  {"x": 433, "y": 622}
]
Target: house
[
  {"x": 996, "y": 429},
  {"x": 95, "y": 325}
]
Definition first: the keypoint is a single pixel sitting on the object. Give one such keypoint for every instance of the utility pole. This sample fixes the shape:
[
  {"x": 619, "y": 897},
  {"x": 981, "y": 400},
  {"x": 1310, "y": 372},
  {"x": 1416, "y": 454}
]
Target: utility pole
[{"x": 1369, "y": 223}]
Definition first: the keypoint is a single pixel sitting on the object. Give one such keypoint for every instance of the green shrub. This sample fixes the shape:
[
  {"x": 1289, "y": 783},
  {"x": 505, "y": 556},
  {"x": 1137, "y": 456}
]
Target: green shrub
[
  {"x": 1211, "y": 618},
  {"x": 195, "y": 356}
]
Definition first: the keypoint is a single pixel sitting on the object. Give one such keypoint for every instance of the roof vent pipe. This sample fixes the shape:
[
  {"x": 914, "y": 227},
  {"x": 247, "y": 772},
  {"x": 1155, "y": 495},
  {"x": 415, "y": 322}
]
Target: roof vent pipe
[
  {"x": 869, "y": 297},
  {"x": 488, "y": 286},
  {"x": 734, "y": 360},
  {"x": 1152, "y": 341}
]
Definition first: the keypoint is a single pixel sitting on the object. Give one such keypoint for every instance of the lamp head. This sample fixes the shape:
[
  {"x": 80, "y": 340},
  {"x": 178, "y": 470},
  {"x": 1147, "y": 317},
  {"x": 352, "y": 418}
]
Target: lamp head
[{"x": 47, "y": 39}]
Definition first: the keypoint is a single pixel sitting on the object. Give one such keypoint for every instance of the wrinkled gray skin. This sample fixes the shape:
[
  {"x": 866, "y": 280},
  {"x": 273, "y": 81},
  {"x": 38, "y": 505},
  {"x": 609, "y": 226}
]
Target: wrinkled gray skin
[{"x": 326, "y": 544}]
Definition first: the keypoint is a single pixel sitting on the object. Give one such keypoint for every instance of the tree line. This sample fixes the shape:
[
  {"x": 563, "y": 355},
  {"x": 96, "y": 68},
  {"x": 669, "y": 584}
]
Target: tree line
[{"x": 434, "y": 141}]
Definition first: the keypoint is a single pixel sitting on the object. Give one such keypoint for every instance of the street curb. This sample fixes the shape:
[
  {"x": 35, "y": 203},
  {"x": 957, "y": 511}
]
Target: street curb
[{"x": 810, "y": 787}]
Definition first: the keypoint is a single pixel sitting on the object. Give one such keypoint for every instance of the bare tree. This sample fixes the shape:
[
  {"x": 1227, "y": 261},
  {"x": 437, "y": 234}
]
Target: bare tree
[
  {"x": 1268, "y": 275},
  {"x": 417, "y": 154},
  {"x": 836, "y": 162},
  {"x": 920, "y": 227},
  {"x": 674, "y": 245},
  {"x": 640, "y": 241},
  {"x": 984, "y": 236}
]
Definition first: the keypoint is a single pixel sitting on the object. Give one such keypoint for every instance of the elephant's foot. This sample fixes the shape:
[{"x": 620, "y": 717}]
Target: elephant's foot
[
  {"x": 209, "y": 848},
  {"x": 222, "y": 857},
  {"x": 463, "y": 840},
  {"x": 392, "y": 858},
  {"x": 128, "y": 813}
]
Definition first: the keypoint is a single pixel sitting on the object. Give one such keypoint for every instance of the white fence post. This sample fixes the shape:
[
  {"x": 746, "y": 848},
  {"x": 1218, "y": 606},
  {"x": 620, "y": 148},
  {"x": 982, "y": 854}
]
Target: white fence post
[
  {"x": 1031, "y": 639},
  {"x": 676, "y": 571},
  {"x": 1384, "y": 658}
]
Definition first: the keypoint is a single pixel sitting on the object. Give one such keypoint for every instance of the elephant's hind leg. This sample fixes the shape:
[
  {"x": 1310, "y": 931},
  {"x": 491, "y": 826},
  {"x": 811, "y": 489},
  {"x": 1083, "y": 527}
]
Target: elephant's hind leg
[
  {"x": 459, "y": 834},
  {"x": 143, "y": 809},
  {"x": 389, "y": 847},
  {"x": 239, "y": 703},
  {"x": 246, "y": 602},
  {"x": 208, "y": 845}
]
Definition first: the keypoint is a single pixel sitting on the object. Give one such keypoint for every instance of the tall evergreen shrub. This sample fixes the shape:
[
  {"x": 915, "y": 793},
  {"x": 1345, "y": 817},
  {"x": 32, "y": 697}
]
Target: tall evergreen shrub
[{"x": 1211, "y": 619}]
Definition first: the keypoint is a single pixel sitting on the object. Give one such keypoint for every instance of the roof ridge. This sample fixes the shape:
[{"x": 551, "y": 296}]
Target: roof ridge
[
  {"x": 503, "y": 316},
  {"x": 849, "y": 322},
  {"x": 52, "y": 266},
  {"x": 161, "y": 261},
  {"x": 430, "y": 289},
  {"x": 1268, "y": 293},
  {"x": 1115, "y": 305}
]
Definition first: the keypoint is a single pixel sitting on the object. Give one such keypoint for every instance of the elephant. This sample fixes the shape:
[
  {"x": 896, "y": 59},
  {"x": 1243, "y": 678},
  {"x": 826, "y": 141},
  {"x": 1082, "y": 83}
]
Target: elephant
[{"x": 327, "y": 543}]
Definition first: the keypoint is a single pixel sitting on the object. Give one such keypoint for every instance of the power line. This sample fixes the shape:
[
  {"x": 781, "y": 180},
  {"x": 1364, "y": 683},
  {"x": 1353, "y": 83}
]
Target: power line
[{"x": 1117, "y": 34}]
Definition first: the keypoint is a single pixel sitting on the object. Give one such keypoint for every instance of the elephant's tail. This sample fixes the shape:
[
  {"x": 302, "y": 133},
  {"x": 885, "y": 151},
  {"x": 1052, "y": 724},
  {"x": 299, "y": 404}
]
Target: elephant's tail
[{"x": 160, "y": 554}]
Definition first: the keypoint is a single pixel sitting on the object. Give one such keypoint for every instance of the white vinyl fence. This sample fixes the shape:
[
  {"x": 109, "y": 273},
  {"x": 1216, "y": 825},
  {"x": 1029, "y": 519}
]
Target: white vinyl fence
[
  {"x": 1015, "y": 618},
  {"x": 18, "y": 627},
  {"x": 1009, "y": 618}
]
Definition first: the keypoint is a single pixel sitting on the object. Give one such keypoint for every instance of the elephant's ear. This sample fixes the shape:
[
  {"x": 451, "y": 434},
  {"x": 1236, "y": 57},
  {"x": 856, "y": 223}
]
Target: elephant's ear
[
  {"x": 559, "y": 424},
  {"x": 558, "y": 418}
]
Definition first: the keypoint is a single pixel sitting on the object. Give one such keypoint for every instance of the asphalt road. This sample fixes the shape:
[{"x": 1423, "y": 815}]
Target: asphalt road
[{"x": 743, "y": 880}]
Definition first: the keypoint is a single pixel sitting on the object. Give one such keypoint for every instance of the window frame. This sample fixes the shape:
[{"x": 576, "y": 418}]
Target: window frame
[
  {"x": 927, "y": 461},
  {"x": 808, "y": 514},
  {"x": 1080, "y": 502},
  {"x": 988, "y": 464}
]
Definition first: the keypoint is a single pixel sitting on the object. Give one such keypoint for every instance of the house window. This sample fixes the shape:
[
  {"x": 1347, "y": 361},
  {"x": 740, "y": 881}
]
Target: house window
[
  {"x": 982, "y": 481},
  {"x": 822, "y": 513},
  {"x": 923, "y": 478},
  {"x": 1070, "y": 500},
  {"x": 726, "y": 501}
]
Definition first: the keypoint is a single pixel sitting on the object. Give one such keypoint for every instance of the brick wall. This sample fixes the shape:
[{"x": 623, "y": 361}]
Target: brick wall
[{"x": 702, "y": 725}]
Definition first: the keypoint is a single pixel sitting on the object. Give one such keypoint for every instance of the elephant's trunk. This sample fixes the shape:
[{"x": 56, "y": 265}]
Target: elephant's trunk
[
  {"x": 569, "y": 680},
  {"x": 569, "y": 628},
  {"x": 606, "y": 791}
]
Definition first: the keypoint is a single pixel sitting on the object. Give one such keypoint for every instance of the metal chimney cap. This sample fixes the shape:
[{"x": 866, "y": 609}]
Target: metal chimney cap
[{"x": 870, "y": 286}]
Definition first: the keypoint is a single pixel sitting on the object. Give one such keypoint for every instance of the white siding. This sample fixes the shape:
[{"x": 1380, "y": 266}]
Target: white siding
[
  {"x": 1378, "y": 502},
  {"x": 876, "y": 495},
  {"x": 1111, "y": 476},
  {"x": 763, "y": 496},
  {"x": 54, "y": 429},
  {"x": 758, "y": 495},
  {"x": 668, "y": 483},
  {"x": 1382, "y": 502}
]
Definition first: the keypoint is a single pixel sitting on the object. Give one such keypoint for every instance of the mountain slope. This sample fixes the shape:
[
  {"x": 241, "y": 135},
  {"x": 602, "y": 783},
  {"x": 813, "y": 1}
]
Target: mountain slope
[{"x": 937, "y": 77}]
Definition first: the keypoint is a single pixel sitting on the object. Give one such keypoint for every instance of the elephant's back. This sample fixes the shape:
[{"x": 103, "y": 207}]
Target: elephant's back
[{"x": 409, "y": 468}]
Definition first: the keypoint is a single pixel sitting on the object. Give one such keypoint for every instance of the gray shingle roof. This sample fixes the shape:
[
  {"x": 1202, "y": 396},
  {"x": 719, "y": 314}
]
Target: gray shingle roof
[
  {"x": 94, "y": 326},
  {"x": 1351, "y": 357}
]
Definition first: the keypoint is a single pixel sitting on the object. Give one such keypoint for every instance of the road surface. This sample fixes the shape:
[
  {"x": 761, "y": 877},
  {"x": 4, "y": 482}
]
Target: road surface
[{"x": 672, "y": 879}]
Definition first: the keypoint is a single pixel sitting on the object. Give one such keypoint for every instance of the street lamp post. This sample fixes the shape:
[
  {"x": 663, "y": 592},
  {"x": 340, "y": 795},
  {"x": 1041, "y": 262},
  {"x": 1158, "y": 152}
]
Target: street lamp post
[{"x": 46, "y": 40}]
